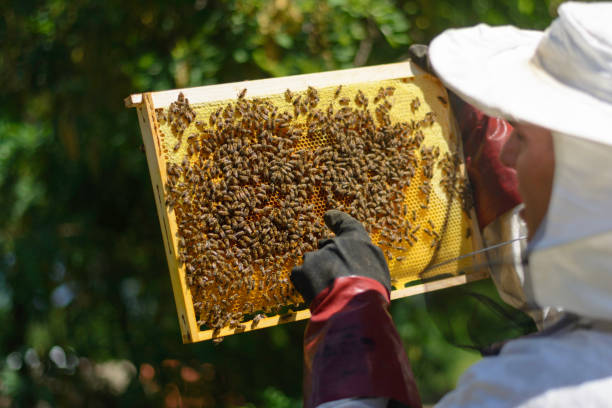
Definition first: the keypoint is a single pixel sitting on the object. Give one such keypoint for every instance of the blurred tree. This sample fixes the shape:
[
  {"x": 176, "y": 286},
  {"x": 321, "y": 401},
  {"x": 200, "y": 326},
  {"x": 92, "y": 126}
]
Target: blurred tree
[{"x": 85, "y": 298}]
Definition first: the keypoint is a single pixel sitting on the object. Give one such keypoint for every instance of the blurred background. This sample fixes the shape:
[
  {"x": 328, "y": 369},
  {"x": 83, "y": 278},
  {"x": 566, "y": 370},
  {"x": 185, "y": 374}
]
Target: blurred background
[{"x": 86, "y": 307}]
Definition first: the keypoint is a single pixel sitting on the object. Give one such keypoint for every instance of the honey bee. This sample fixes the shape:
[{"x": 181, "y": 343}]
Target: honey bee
[
  {"x": 360, "y": 99},
  {"x": 380, "y": 95},
  {"x": 160, "y": 115},
  {"x": 288, "y": 95},
  {"x": 337, "y": 93}
]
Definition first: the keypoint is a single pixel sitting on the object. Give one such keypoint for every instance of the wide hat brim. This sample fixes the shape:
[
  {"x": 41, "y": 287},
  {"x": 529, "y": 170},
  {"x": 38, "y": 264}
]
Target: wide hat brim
[{"x": 493, "y": 69}]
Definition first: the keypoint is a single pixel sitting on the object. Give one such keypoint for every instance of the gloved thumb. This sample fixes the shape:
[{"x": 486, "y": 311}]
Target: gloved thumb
[
  {"x": 302, "y": 283},
  {"x": 343, "y": 224}
]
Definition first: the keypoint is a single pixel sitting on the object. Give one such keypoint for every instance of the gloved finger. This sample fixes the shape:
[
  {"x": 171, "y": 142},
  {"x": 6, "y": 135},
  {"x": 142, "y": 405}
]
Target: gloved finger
[
  {"x": 343, "y": 224},
  {"x": 307, "y": 257},
  {"x": 302, "y": 284},
  {"x": 296, "y": 273},
  {"x": 419, "y": 55},
  {"x": 325, "y": 241}
]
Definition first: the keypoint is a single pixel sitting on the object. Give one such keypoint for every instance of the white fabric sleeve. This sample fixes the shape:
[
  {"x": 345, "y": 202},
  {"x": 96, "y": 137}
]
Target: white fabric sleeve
[
  {"x": 356, "y": 403},
  {"x": 574, "y": 369}
]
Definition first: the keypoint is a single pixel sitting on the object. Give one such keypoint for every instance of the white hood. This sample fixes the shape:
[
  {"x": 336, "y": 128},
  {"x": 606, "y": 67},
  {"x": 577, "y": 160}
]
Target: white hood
[
  {"x": 570, "y": 256},
  {"x": 559, "y": 79}
]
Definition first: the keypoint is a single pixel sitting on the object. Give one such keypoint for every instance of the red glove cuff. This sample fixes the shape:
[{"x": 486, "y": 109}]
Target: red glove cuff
[
  {"x": 495, "y": 185},
  {"x": 351, "y": 347},
  {"x": 336, "y": 296}
]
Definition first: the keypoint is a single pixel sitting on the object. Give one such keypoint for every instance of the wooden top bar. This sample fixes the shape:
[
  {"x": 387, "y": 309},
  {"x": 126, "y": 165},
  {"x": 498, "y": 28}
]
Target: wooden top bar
[{"x": 269, "y": 86}]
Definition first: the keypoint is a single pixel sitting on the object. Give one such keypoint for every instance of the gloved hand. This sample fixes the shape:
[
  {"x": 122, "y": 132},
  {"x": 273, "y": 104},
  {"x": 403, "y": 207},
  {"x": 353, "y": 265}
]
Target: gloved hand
[
  {"x": 349, "y": 253},
  {"x": 351, "y": 347}
]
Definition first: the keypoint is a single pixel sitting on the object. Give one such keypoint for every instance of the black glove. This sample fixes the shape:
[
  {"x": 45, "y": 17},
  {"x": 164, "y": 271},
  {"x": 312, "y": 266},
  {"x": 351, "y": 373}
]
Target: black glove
[
  {"x": 349, "y": 253},
  {"x": 419, "y": 55}
]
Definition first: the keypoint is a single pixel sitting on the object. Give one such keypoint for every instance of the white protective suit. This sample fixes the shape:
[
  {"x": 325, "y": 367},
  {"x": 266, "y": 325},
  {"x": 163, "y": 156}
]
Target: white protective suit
[
  {"x": 560, "y": 79},
  {"x": 570, "y": 267}
]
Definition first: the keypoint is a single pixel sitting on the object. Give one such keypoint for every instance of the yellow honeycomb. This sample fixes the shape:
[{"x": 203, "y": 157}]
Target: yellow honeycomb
[{"x": 439, "y": 217}]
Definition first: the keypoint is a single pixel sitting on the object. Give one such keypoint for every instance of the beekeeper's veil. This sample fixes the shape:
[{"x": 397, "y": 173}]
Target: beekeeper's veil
[{"x": 560, "y": 79}]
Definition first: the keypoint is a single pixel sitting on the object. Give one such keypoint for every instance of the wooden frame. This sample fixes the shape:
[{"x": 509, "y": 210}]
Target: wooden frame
[{"x": 145, "y": 104}]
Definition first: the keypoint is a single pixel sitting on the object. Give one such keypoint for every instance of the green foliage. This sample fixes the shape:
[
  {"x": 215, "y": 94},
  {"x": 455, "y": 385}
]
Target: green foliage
[{"x": 85, "y": 299}]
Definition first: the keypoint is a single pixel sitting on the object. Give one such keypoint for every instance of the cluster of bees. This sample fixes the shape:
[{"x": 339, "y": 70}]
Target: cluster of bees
[
  {"x": 249, "y": 192},
  {"x": 454, "y": 184},
  {"x": 180, "y": 115}
]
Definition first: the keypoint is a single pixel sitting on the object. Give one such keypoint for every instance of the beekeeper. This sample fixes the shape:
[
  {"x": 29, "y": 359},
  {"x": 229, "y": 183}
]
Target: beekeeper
[{"x": 555, "y": 87}]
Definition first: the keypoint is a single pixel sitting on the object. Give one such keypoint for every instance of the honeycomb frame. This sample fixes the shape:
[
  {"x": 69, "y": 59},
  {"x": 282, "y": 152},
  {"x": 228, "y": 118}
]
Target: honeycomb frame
[{"x": 156, "y": 148}]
